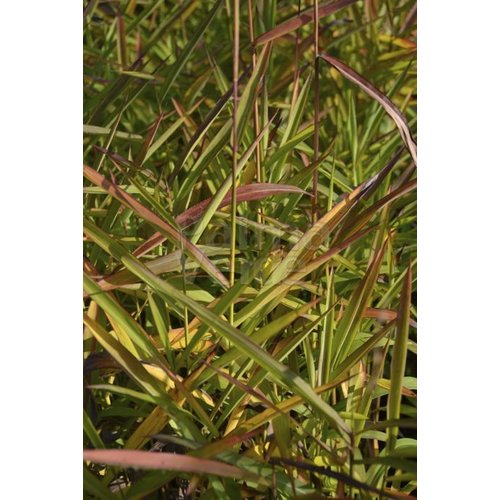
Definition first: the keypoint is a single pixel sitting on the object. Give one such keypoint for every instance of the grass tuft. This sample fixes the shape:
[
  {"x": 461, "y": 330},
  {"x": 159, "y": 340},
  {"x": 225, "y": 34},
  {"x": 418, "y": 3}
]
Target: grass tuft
[{"x": 249, "y": 249}]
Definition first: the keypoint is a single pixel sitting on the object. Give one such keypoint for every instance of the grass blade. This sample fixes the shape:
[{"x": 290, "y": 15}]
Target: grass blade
[
  {"x": 300, "y": 20},
  {"x": 248, "y": 192},
  {"x": 176, "y": 68},
  {"x": 350, "y": 321},
  {"x": 282, "y": 374},
  {"x": 384, "y": 101},
  {"x": 148, "y": 215},
  {"x": 167, "y": 461},
  {"x": 399, "y": 359}
]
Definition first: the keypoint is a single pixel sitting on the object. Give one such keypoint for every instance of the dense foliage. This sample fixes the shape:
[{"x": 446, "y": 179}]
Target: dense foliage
[{"x": 261, "y": 345}]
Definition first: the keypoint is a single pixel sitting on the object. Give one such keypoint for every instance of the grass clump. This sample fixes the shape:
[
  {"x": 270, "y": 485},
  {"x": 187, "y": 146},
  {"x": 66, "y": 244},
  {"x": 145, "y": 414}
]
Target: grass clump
[{"x": 249, "y": 249}]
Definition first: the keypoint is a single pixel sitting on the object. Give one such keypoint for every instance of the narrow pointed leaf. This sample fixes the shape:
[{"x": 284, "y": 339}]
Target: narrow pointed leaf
[
  {"x": 300, "y": 20},
  {"x": 248, "y": 192},
  {"x": 172, "y": 233},
  {"x": 385, "y": 102},
  {"x": 167, "y": 461},
  {"x": 310, "y": 242},
  {"x": 176, "y": 68},
  {"x": 399, "y": 358},
  {"x": 348, "y": 326},
  {"x": 281, "y": 373}
]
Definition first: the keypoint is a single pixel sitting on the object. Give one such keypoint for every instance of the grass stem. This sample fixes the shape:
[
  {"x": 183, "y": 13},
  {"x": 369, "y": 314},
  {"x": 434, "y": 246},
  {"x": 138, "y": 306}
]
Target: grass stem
[{"x": 236, "y": 53}]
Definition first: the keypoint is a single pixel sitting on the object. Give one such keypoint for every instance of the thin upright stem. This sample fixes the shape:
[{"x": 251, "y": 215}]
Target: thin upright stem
[
  {"x": 256, "y": 104},
  {"x": 316, "y": 112},
  {"x": 236, "y": 51},
  {"x": 255, "y": 109},
  {"x": 295, "y": 91},
  {"x": 316, "y": 156}
]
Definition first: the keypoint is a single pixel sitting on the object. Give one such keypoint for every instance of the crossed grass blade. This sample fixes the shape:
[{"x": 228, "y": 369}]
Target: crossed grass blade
[
  {"x": 283, "y": 375},
  {"x": 158, "y": 105},
  {"x": 169, "y": 231}
]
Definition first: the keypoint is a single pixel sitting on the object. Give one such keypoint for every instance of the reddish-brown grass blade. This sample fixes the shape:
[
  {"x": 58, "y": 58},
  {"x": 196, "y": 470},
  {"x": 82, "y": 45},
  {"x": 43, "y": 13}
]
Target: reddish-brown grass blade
[
  {"x": 144, "y": 212},
  {"x": 384, "y": 315},
  {"x": 248, "y": 192},
  {"x": 149, "y": 244},
  {"x": 139, "y": 160},
  {"x": 382, "y": 99},
  {"x": 165, "y": 461},
  {"x": 410, "y": 19},
  {"x": 303, "y": 18}
]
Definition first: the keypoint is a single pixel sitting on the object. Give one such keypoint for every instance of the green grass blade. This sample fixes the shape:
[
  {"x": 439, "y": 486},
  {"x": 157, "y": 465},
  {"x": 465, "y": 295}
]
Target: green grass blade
[{"x": 399, "y": 358}]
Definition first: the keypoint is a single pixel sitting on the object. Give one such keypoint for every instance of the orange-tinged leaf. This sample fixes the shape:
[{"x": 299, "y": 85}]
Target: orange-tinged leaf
[
  {"x": 404, "y": 43},
  {"x": 152, "y": 424},
  {"x": 300, "y": 255},
  {"x": 384, "y": 315}
]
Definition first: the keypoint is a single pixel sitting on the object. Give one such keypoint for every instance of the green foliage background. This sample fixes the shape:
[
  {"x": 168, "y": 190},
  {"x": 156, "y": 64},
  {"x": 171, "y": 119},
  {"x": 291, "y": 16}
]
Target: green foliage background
[{"x": 302, "y": 374}]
